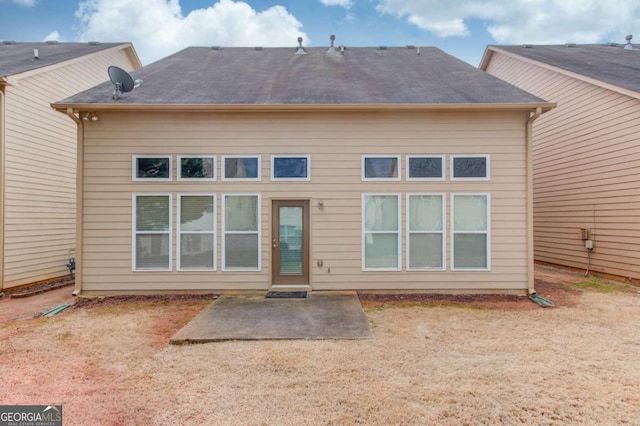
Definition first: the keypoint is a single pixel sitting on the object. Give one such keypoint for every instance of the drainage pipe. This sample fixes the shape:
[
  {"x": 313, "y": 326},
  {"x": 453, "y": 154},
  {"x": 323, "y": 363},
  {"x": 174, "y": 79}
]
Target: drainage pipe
[
  {"x": 2, "y": 163},
  {"x": 529, "y": 152},
  {"x": 79, "y": 198}
]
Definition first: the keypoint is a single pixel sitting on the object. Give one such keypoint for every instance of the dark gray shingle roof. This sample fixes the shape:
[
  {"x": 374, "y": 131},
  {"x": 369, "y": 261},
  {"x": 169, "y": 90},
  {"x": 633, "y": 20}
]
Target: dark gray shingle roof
[
  {"x": 609, "y": 64},
  {"x": 277, "y": 76},
  {"x": 17, "y": 58}
]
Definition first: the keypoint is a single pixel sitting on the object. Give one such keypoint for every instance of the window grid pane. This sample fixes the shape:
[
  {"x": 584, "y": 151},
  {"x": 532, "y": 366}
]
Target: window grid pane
[
  {"x": 152, "y": 233},
  {"x": 241, "y": 168},
  {"x": 470, "y": 237},
  {"x": 152, "y": 213},
  {"x": 197, "y": 232},
  {"x": 290, "y": 167},
  {"x": 197, "y": 167},
  {"x": 381, "y": 167},
  {"x": 469, "y": 167},
  {"x": 425, "y": 250},
  {"x": 425, "y": 167},
  {"x": 152, "y": 167},
  {"x": 241, "y": 232},
  {"x": 381, "y": 231}
]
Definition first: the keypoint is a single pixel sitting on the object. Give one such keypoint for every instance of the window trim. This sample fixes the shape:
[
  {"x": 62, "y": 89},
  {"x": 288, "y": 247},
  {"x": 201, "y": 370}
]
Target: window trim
[
  {"x": 487, "y": 232},
  {"x": 488, "y": 160},
  {"x": 188, "y": 179},
  {"x": 245, "y": 179},
  {"x": 134, "y": 231},
  {"x": 223, "y": 232},
  {"x": 281, "y": 179},
  {"x": 363, "y": 233},
  {"x": 442, "y": 169},
  {"x": 134, "y": 168},
  {"x": 378, "y": 179},
  {"x": 409, "y": 232},
  {"x": 179, "y": 231}
]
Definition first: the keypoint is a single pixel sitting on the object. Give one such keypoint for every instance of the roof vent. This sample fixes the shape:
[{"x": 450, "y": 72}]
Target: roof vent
[
  {"x": 527, "y": 46},
  {"x": 628, "y": 46},
  {"x": 570, "y": 45},
  {"x": 332, "y": 48},
  {"x": 52, "y": 42},
  {"x": 382, "y": 47},
  {"x": 410, "y": 46},
  {"x": 215, "y": 47},
  {"x": 258, "y": 48},
  {"x": 36, "y": 55},
  {"x": 611, "y": 44},
  {"x": 300, "y": 50},
  {"x": 8, "y": 42},
  {"x": 94, "y": 43},
  {"x": 342, "y": 48}
]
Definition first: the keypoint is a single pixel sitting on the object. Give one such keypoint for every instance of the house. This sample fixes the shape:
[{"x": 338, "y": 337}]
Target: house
[
  {"x": 38, "y": 152},
  {"x": 319, "y": 168},
  {"x": 585, "y": 152}
]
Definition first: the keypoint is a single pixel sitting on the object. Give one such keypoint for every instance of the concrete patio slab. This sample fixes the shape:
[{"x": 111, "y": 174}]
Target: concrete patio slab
[{"x": 251, "y": 316}]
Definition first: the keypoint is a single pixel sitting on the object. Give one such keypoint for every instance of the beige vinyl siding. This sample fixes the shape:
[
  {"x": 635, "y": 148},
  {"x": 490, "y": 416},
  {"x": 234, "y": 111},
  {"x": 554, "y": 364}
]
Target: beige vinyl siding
[
  {"x": 40, "y": 163},
  {"x": 586, "y": 158},
  {"x": 335, "y": 143}
]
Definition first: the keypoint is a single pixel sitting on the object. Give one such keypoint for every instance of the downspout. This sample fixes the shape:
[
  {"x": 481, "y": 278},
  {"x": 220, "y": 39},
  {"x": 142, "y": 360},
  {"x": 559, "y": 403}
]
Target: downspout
[
  {"x": 79, "y": 201},
  {"x": 529, "y": 142},
  {"x": 2, "y": 203}
]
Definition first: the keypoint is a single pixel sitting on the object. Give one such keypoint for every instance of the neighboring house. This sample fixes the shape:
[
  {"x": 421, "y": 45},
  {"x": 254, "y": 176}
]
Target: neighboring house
[
  {"x": 242, "y": 168},
  {"x": 586, "y": 154},
  {"x": 38, "y": 152}
]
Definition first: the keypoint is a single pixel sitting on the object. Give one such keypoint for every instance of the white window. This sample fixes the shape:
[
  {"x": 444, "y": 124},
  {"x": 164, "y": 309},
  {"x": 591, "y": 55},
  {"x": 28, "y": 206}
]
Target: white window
[
  {"x": 381, "y": 232},
  {"x": 470, "y": 167},
  {"x": 196, "y": 232},
  {"x": 380, "y": 167},
  {"x": 425, "y": 231},
  {"x": 290, "y": 167},
  {"x": 240, "y": 168},
  {"x": 197, "y": 167},
  {"x": 471, "y": 231},
  {"x": 425, "y": 167},
  {"x": 241, "y": 216},
  {"x": 151, "y": 232},
  {"x": 152, "y": 168}
]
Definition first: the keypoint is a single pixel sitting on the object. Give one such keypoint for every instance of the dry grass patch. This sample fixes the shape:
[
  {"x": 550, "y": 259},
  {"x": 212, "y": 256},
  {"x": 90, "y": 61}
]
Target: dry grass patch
[{"x": 428, "y": 364}]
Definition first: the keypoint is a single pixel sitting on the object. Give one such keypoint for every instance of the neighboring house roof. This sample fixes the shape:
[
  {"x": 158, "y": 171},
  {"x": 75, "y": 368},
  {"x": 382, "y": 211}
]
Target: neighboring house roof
[
  {"x": 610, "y": 64},
  {"x": 278, "y": 76},
  {"x": 16, "y": 58}
]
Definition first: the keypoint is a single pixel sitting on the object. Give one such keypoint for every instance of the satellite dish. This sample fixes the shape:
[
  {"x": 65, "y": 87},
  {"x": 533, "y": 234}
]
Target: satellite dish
[{"x": 122, "y": 81}]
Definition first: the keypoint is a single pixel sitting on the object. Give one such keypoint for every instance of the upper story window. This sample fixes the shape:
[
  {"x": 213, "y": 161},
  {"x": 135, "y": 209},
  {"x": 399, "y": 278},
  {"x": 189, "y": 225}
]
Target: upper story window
[
  {"x": 380, "y": 167},
  {"x": 291, "y": 167},
  {"x": 470, "y": 167},
  {"x": 425, "y": 167},
  {"x": 240, "y": 167},
  {"x": 151, "y": 168},
  {"x": 197, "y": 167}
]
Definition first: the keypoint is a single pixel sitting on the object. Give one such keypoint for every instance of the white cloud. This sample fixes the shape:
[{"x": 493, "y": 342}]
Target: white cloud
[
  {"x": 158, "y": 28},
  {"x": 344, "y": 3},
  {"x": 522, "y": 21},
  {"x": 53, "y": 36},
  {"x": 26, "y": 3}
]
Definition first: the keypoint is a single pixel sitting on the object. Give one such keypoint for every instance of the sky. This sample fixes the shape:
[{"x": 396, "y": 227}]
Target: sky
[{"x": 462, "y": 28}]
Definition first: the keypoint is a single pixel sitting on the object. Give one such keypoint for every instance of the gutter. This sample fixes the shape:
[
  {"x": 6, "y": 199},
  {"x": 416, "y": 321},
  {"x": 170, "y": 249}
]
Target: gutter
[
  {"x": 544, "y": 106},
  {"x": 79, "y": 198},
  {"x": 3, "y": 83},
  {"x": 529, "y": 142}
]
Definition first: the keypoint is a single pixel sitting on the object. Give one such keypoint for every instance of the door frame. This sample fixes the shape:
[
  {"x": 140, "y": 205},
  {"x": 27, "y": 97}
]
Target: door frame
[{"x": 288, "y": 280}]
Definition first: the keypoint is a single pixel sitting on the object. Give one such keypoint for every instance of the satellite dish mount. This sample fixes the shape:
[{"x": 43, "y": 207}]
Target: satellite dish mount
[{"x": 122, "y": 81}]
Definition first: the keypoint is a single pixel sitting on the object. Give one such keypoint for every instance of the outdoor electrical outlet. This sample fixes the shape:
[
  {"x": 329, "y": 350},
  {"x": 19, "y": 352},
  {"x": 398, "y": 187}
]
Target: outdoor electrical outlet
[
  {"x": 584, "y": 234},
  {"x": 588, "y": 244}
]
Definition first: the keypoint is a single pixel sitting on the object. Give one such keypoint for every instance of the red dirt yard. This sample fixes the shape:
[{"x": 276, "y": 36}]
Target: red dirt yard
[{"x": 434, "y": 360}]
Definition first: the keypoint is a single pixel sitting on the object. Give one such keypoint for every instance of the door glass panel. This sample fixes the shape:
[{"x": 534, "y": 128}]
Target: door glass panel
[{"x": 291, "y": 240}]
